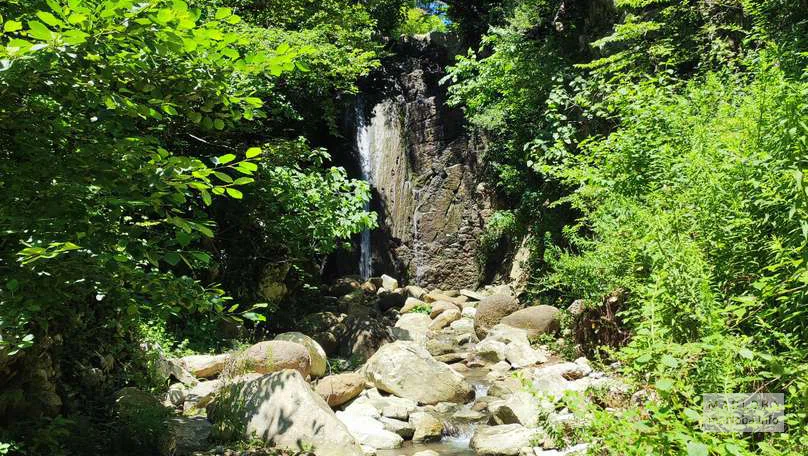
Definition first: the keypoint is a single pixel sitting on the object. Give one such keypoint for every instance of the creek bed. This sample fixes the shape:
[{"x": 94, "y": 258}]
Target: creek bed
[{"x": 458, "y": 443}]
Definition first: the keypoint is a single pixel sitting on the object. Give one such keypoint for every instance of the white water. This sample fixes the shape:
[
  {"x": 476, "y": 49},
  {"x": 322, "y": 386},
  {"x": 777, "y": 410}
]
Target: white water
[{"x": 363, "y": 148}]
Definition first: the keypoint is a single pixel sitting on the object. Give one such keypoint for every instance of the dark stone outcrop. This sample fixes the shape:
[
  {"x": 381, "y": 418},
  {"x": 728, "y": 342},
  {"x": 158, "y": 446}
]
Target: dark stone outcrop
[{"x": 424, "y": 169}]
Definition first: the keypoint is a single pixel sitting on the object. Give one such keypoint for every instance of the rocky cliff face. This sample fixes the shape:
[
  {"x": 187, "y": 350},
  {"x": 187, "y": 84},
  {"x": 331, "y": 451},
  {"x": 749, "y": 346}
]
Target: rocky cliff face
[{"x": 424, "y": 167}]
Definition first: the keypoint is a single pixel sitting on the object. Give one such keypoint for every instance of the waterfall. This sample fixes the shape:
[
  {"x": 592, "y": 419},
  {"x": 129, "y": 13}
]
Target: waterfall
[{"x": 364, "y": 151}]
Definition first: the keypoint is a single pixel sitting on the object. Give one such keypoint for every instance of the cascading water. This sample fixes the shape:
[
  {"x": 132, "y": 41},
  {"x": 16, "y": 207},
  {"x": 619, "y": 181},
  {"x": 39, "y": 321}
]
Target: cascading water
[
  {"x": 364, "y": 151},
  {"x": 457, "y": 432}
]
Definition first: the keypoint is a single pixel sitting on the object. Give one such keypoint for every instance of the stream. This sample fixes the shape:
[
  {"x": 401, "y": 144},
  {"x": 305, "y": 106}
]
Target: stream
[{"x": 457, "y": 435}]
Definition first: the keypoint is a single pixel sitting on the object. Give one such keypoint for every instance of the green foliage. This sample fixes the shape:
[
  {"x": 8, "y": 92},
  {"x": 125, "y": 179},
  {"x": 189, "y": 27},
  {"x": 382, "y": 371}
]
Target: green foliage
[
  {"x": 678, "y": 143},
  {"x": 418, "y": 21},
  {"x": 696, "y": 205},
  {"x": 422, "y": 308},
  {"x": 127, "y": 129}
]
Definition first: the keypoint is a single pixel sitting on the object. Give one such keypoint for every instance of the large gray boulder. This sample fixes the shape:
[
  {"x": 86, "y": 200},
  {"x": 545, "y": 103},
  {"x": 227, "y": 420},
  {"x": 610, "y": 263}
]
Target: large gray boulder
[
  {"x": 273, "y": 356},
  {"x": 502, "y": 440},
  {"x": 366, "y": 333},
  {"x": 426, "y": 427},
  {"x": 327, "y": 328},
  {"x": 205, "y": 366},
  {"x": 341, "y": 388},
  {"x": 412, "y": 327},
  {"x": 407, "y": 370},
  {"x": 369, "y": 431},
  {"x": 444, "y": 319},
  {"x": 518, "y": 408},
  {"x": 536, "y": 320},
  {"x": 319, "y": 360},
  {"x": 283, "y": 409},
  {"x": 491, "y": 310}
]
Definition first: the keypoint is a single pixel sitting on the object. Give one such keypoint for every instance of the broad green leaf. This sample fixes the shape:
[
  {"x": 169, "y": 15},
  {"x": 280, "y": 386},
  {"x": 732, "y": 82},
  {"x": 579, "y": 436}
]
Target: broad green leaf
[
  {"x": 172, "y": 258},
  {"x": 746, "y": 353},
  {"x": 74, "y": 37},
  {"x": 76, "y": 18},
  {"x": 224, "y": 159},
  {"x": 253, "y": 152},
  {"x": 39, "y": 31},
  {"x": 222, "y": 13},
  {"x": 223, "y": 177},
  {"x": 218, "y": 124},
  {"x": 643, "y": 358},
  {"x": 206, "y": 198},
  {"x": 697, "y": 449},
  {"x": 234, "y": 193},
  {"x": 249, "y": 166},
  {"x": 669, "y": 361},
  {"x": 49, "y": 19},
  {"x": 692, "y": 414},
  {"x": 12, "y": 26},
  {"x": 664, "y": 384},
  {"x": 244, "y": 180}
]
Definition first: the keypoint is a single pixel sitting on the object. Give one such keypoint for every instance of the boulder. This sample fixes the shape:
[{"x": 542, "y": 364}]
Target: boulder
[
  {"x": 522, "y": 355},
  {"x": 518, "y": 351},
  {"x": 273, "y": 356},
  {"x": 169, "y": 368},
  {"x": 427, "y": 453},
  {"x": 435, "y": 296},
  {"x": 469, "y": 312},
  {"x": 473, "y": 295},
  {"x": 175, "y": 396},
  {"x": 327, "y": 328},
  {"x": 491, "y": 310},
  {"x": 438, "y": 307},
  {"x": 536, "y": 320},
  {"x": 345, "y": 285},
  {"x": 200, "y": 395},
  {"x": 502, "y": 440},
  {"x": 365, "y": 335},
  {"x": 402, "y": 428},
  {"x": 415, "y": 291},
  {"x": 388, "y": 406},
  {"x": 518, "y": 408},
  {"x": 319, "y": 360},
  {"x": 341, "y": 388},
  {"x": 444, "y": 319},
  {"x": 407, "y": 370},
  {"x": 389, "y": 283},
  {"x": 283, "y": 409},
  {"x": 354, "y": 303},
  {"x": 189, "y": 434},
  {"x": 413, "y": 303},
  {"x": 490, "y": 350},
  {"x": 427, "y": 427},
  {"x": 412, "y": 327},
  {"x": 205, "y": 366},
  {"x": 369, "y": 431},
  {"x": 369, "y": 287},
  {"x": 463, "y": 325},
  {"x": 387, "y": 300}
]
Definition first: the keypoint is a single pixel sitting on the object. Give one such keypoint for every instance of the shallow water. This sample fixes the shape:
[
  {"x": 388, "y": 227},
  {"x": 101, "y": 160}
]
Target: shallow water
[{"x": 446, "y": 447}]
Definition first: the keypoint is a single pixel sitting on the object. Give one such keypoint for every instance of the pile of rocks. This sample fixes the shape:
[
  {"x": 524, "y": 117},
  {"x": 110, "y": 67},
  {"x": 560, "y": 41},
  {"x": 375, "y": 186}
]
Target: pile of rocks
[{"x": 420, "y": 347}]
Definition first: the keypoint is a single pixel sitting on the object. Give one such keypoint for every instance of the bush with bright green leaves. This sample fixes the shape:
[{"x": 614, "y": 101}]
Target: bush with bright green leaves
[
  {"x": 677, "y": 145},
  {"x": 124, "y": 128}
]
